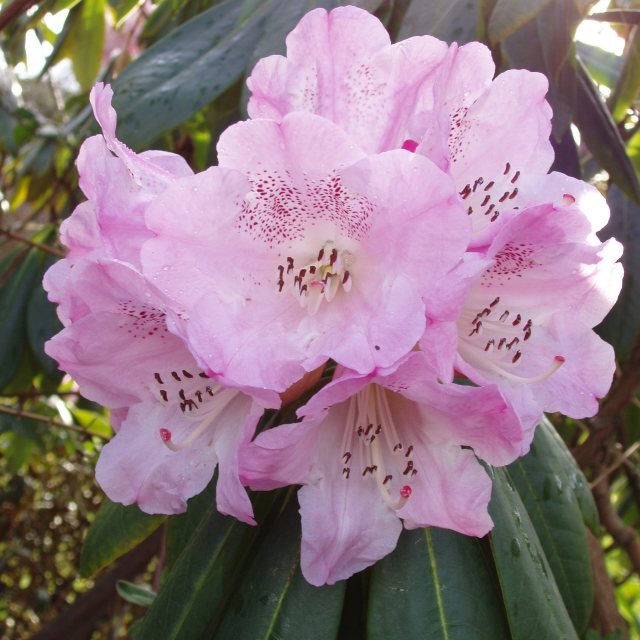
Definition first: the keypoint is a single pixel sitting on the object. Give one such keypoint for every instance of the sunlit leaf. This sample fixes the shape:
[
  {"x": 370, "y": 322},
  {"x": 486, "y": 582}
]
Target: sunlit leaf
[
  {"x": 115, "y": 530},
  {"x": 135, "y": 594}
]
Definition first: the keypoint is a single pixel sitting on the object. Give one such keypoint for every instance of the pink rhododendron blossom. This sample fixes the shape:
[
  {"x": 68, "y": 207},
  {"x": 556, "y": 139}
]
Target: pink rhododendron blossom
[
  {"x": 326, "y": 253},
  {"x": 419, "y": 95},
  {"x": 377, "y": 449},
  {"x": 527, "y": 320},
  {"x": 176, "y": 422}
]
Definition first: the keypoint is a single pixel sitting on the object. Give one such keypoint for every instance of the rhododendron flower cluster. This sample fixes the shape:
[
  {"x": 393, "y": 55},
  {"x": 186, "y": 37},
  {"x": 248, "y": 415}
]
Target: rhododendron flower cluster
[{"x": 386, "y": 213}]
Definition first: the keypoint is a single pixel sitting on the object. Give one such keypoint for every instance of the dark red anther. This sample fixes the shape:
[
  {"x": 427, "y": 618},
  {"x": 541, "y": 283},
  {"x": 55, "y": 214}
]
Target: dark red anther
[
  {"x": 405, "y": 492},
  {"x": 165, "y": 434}
]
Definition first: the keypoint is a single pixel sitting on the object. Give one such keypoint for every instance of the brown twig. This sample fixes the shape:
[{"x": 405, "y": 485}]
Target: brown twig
[
  {"x": 26, "y": 395},
  {"x": 15, "y": 9},
  {"x": 36, "y": 245},
  {"x": 624, "y": 536},
  {"x": 50, "y": 421},
  {"x": 619, "y": 461}
]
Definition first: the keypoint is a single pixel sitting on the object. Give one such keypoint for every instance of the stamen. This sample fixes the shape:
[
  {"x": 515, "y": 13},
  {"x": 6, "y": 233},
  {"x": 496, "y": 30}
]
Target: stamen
[
  {"x": 558, "y": 361},
  {"x": 225, "y": 397}
]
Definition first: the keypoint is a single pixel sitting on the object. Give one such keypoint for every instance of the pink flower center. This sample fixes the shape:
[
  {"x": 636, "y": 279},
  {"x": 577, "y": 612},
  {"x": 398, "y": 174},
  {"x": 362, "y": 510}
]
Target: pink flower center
[
  {"x": 372, "y": 446},
  {"x": 496, "y": 338},
  {"x": 487, "y": 196},
  {"x": 318, "y": 280}
]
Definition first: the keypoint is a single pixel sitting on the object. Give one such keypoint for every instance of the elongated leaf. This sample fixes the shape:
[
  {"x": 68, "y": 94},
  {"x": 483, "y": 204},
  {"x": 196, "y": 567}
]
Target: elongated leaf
[
  {"x": 626, "y": 89},
  {"x": 274, "y": 601},
  {"x": 203, "y": 577},
  {"x": 85, "y": 41},
  {"x": 628, "y": 16},
  {"x": 622, "y": 324},
  {"x": 116, "y": 530},
  {"x": 601, "y": 135},
  {"x": 181, "y": 527},
  {"x": 449, "y": 20},
  {"x": 544, "y": 485},
  {"x": 437, "y": 584},
  {"x": 603, "y": 66},
  {"x": 14, "y": 296},
  {"x": 509, "y": 15},
  {"x": 186, "y": 70},
  {"x": 534, "y": 606},
  {"x": 546, "y": 44},
  {"x": 565, "y": 464},
  {"x": 135, "y": 594}
]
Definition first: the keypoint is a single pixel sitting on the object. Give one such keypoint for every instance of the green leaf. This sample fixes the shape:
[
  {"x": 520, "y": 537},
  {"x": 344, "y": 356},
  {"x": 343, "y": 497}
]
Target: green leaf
[
  {"x": 622, "y": 324},
  {"x": 196, "y": 589},
  {"x": 509, "y": 15},
  {"x": 544, "y": 484},
  {"x": 601, "y": 135},
  {"x": 135, "y": 594},
  {"x": 18, "y": 452},
  {"x": 604, "y": 67},
  {"x": 181, "y": 527},
  {"x": 174, "y": 78},
  {"x": 449, "y": 20},
  {"x": 564, "y": 462},
  {"x": 534, "y": 606},
  {"x": 633, "y": 149},
  {"x": 14, "y": 296},
  {"x": 85, "y": 40},
  {"x": 437, "y": 585},
  {"x": 116, "y": 530},
  {"x": 626, "y": 89},
  {"x": 274, "y": 601},
  {"x": 546, "y": 44}
]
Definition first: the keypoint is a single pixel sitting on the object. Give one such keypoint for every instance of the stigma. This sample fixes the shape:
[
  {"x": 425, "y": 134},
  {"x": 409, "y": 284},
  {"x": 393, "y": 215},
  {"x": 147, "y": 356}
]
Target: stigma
[{"x": 318, "y": 280}]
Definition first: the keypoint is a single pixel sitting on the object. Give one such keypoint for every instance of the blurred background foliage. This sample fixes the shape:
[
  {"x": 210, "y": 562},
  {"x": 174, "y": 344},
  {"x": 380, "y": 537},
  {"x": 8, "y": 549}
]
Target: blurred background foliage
[{"x": 178, "y": 70}]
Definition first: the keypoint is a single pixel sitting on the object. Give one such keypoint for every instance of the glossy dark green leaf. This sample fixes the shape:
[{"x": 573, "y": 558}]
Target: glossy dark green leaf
[
  {"x": 509, "y": 15},
  {"x": 566, "y": 465},
  {"x": 14, "y": 296},
  {"x": 181, "y": 527},
  {"x": 202, "y": 578},
  {"x": 601, "y": 135},
  {"x": 626, "y": 89},
  {"x": 186, "y": 70},
  {"x": 622, "y": 324},
  {"x": 115, "y": 530},
  {"x": 274, "y": 601},
  {"x": 534, "y": 606},
  {"x": 436, "y": 585},
  {"x": 544, "y": 481},
  {"x": 449, "y": 20}
]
